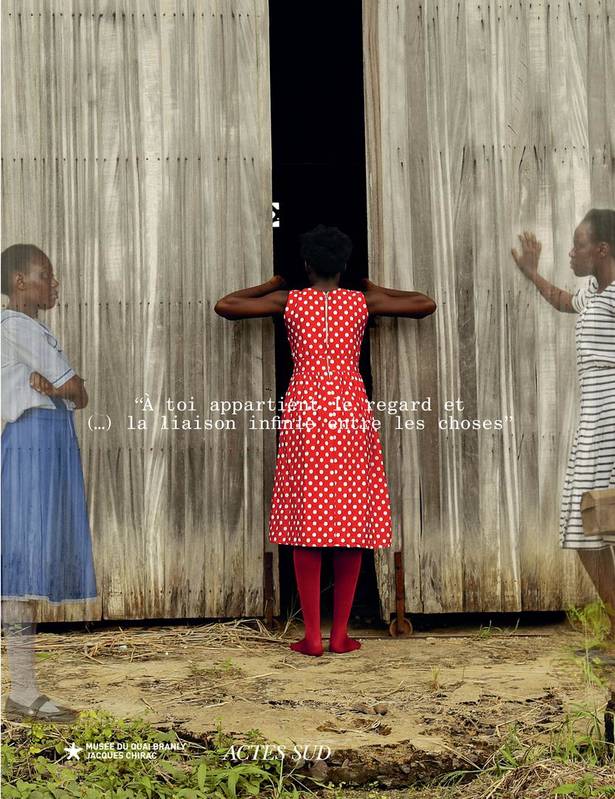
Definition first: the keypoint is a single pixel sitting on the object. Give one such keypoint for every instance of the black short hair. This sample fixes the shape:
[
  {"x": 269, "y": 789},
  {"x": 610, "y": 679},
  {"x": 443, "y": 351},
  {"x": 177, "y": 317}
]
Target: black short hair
[
  {"x": 326, "y": 249},
  {"x": 602, "y": 223},
  {"x": 16, "y": 258}
]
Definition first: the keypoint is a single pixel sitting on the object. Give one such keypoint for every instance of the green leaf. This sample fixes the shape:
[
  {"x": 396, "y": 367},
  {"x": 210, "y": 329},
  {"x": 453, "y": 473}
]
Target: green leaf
[
  {"x": 201, "y": 776},
  {"x": 233, "y": 777},
  {"x": 172, "y": 771},
  {"x": 43, "y": 655}
]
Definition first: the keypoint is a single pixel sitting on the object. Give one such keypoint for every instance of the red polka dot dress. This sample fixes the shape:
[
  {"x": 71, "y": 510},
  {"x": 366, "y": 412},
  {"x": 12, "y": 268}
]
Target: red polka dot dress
[{"x": 329, "y": 486}]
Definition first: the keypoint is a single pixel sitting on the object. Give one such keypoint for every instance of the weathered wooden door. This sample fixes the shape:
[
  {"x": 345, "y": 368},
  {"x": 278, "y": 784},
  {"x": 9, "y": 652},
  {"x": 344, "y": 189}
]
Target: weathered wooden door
[
  {"x": 482, "y": 121},
  {"x": 136, "y": 153}
]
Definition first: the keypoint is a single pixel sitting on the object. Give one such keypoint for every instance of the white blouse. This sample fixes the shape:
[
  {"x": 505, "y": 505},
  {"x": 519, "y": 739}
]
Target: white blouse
[{"x": 29, "y": 346}]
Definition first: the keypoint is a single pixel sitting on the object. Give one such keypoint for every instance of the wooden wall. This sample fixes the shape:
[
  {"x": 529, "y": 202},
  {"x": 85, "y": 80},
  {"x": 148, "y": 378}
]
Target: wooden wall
[
  {"x": 483, "y": 119},
  {"x": 136, "y": 153}
]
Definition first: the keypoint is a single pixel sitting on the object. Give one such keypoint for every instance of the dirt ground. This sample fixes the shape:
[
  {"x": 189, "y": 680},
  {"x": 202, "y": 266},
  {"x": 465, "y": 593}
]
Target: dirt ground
[{"x": 445, "y": 700}]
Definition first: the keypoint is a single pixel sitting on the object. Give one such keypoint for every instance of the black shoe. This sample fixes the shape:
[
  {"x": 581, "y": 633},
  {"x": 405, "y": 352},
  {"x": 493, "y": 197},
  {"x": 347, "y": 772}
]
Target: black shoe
[{"x": 15, "y": 711}]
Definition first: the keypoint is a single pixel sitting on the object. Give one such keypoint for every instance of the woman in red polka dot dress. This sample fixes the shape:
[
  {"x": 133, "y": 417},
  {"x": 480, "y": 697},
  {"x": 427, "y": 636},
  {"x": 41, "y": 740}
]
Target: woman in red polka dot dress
[{"x": 330, "y": 486}]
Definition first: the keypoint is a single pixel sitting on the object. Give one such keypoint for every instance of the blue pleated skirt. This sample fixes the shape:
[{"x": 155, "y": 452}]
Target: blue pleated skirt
[{"x": 46, "y": 540}]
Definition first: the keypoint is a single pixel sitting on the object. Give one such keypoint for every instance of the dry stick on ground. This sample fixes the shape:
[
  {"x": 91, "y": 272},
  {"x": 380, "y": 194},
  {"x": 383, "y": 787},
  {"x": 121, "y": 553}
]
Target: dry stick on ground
[
  {"x": 460, "y": 755},
  {"x": 216, "y": 685},
  {"x": 147, "y": 704},
  {"x": 222, "y": 635},
  {"x": 516, "y": 718},
  {"x": 389, "y": 693},
  {"x": 525, "y": 783}
]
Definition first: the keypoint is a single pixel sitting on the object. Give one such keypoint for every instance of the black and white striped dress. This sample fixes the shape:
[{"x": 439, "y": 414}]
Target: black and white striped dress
[{"x": 591, "y": 463}]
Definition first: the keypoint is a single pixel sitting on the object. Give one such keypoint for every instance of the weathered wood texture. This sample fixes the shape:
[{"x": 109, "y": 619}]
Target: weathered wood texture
[
  {"x": 136, "y": 153},
  {"x": 483, "y": 119}
]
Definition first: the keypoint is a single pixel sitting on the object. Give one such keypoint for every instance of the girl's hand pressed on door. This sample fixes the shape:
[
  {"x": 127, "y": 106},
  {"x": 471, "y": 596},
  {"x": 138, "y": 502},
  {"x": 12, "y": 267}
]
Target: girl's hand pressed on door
[{"x": 530, "y": 253}]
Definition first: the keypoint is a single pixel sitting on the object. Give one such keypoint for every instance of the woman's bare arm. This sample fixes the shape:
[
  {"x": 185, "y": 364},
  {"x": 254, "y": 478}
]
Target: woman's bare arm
[
  {"x": 73, "y": 389},
  {"x": 266, "y": 299},
  {"x": 527, "y": 262},
  {"x": 383, "y": 301}
]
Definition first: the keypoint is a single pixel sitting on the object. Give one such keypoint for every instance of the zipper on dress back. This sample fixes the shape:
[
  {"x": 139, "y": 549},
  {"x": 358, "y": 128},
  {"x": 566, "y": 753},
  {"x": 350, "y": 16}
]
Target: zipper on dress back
[{"x": 327, "y": 331}]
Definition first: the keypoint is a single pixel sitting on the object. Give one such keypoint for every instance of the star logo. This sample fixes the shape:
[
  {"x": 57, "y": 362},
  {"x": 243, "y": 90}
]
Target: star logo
[{"x": 73, "y": 751}]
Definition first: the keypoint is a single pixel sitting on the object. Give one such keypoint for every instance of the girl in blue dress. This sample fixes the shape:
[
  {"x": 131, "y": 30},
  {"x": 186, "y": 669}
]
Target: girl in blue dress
[{"x": 46, "y": 541}]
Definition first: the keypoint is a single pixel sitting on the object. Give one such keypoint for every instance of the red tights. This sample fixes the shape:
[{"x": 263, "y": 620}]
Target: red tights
[{"x": 346, "y": 568}]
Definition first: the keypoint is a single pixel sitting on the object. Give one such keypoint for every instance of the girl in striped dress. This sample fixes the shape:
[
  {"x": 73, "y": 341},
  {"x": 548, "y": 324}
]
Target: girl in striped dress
[{"x": 591, "y": 463}]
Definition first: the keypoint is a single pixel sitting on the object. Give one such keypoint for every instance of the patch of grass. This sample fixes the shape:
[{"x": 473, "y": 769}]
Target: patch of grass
[
  {"x": 584, "y": 786},
  {"x": 434, "y": 683},
  {"x": 35, "y": 764},
  {"x": 217, "y": 671},
  {"x": 45, "y": 655},
  {"x": 593, "y": 621},
  {"x": 487, "y": 632},
  {"x": 576, "y": 747}
]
